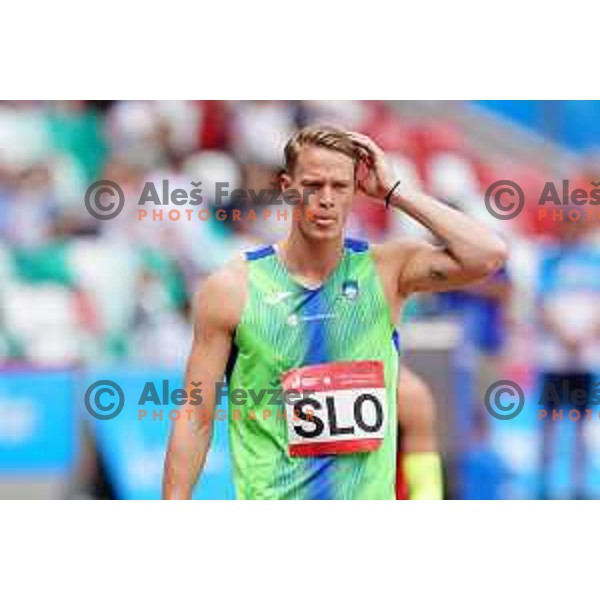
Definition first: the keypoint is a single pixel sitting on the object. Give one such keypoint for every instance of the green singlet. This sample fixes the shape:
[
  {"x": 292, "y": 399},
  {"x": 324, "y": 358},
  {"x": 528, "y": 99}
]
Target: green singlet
[{"x": 341, "y": 443}]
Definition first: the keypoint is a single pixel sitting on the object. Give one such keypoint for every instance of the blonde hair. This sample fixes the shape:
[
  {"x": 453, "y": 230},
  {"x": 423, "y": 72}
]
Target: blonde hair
[{"x": 319, "y": 136}]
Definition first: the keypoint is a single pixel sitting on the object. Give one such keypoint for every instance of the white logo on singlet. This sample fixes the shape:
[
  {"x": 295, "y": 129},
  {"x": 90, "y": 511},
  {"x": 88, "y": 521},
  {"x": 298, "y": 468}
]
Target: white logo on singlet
[{"x": 278, "y": 297}]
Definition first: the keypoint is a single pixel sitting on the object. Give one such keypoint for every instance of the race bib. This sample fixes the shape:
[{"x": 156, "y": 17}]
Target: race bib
[{"x": 335, "y": 408}]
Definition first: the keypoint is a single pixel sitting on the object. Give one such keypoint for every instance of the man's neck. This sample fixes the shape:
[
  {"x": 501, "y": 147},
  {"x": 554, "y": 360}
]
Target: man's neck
[{"x": 310, "y": 260}]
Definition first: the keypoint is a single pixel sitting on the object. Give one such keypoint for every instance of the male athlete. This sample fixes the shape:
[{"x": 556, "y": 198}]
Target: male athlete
[{"x": 313, "y": 316}]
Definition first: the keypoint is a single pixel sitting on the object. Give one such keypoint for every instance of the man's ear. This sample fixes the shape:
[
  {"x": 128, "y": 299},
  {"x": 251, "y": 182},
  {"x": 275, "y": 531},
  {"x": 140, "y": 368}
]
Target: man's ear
[{"x": 285, "y": 181}]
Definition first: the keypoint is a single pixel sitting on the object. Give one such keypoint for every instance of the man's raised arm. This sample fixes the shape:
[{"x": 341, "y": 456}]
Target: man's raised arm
[
  {"x": 467, "y": 250},
  {"x": 217, "y": 311}
]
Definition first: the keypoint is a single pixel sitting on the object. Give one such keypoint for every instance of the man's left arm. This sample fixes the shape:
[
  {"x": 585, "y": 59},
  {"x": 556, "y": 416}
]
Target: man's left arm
[{"x": 467, "y": 252}]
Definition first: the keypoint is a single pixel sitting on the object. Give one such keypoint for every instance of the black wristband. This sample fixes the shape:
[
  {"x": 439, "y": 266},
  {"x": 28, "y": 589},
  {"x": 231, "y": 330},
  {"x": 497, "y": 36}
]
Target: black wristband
[{"x": 388, "y": 196}]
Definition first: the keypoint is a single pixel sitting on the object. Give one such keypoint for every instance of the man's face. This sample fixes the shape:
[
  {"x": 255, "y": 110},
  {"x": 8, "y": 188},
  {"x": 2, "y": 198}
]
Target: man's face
[{"x": 326, "y": 179}]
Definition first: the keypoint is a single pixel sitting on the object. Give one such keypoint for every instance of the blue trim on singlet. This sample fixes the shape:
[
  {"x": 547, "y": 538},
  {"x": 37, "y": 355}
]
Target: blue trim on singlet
[
  {"x": 349, "y": 243},
  {"x": 320, "y": 486},
  {"x": 356, "y": 245},
  {"x": 259, "y": 253},
  {"x": 396, "y": 340}
]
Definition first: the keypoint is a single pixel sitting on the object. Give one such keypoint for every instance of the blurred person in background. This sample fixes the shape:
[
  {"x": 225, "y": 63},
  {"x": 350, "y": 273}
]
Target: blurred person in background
[
  {"x": 484, "y": 474},
  {"x": 159, "y": 332},
  {"x": 569, "y": 344},
  {"x": 419, "y": 465},
  {"x": 482, "y": 310},
  {"x": 30, "y": 208}
]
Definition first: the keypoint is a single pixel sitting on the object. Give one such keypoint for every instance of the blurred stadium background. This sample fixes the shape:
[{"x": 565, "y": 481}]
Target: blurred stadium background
[{"x": 82, "y": 299}]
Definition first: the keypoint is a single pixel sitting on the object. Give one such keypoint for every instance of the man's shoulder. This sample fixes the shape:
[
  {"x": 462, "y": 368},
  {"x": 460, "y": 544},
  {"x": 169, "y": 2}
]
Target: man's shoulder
[
  {"x": 232, "y": 277},
  {"x": 222, "y": 295},
  {"x": 231, "y": 271}
]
